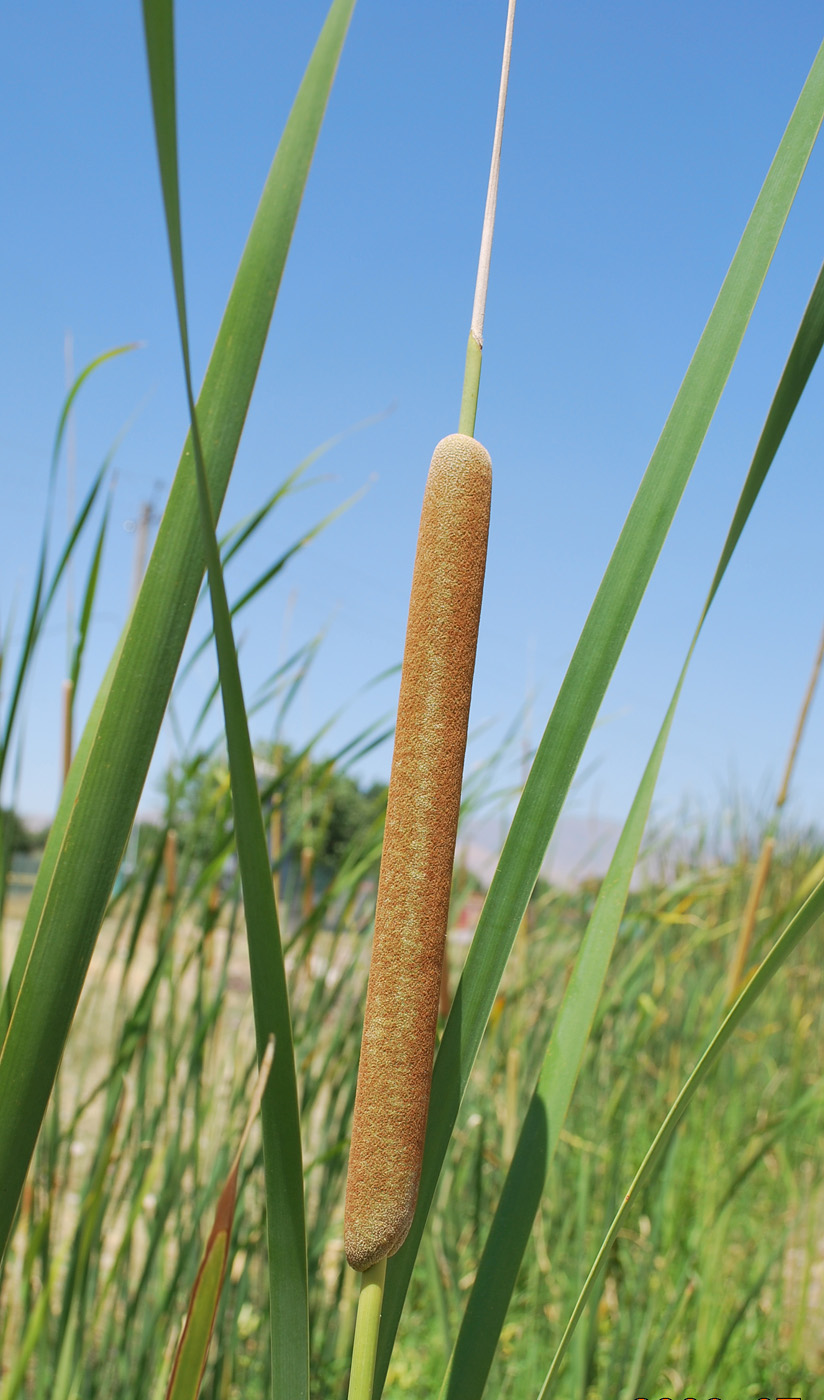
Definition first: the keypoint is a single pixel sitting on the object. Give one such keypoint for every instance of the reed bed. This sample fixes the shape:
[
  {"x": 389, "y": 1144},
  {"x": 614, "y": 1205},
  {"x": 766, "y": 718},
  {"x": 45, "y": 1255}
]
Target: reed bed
[
  {"x": 147, "y": 976},
  {"x": 126, "y": 1174}
]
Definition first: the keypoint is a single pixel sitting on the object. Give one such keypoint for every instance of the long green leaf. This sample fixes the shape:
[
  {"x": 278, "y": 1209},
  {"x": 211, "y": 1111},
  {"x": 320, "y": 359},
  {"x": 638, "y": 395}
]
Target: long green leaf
[
  {"x": 593, "y": 662},
  {"x": 89, "y": 593},
  {"x": 193, "y": 1347},
  {"x": 100, "y": 798},
  {"x": 526, "y": 1177},
  {"x": 283, "y": 1162}
]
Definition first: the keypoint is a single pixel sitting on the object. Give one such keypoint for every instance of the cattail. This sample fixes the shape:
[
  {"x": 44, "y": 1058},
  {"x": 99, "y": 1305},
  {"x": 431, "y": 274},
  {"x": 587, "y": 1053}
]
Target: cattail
[
  {"x": 170, "y": 862},
  {"x": 419, "y": 847}
]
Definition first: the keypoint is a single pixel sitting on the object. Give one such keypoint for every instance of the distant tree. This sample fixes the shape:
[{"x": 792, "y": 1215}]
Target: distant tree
[
  {"x": 17, "y": 836},
  {"x": 326, "y": 810},
  {"x": 198, "y": 806},
  {"x": 350, "y": 815},
  {"x": 320, "y": 808}
]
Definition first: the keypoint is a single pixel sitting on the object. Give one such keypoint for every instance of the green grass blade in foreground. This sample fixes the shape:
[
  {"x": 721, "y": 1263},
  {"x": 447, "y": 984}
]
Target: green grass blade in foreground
[
  {"x": 593, "y": 662},
  {"x": 283, "y": 1163},
  {"x": 526, "y": 1177},
  {"x": 97, "y": 808},
  {"x": 790, "y": 938}
]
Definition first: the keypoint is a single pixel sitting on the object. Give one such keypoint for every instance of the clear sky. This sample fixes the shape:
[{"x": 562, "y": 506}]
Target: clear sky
[{"x": 637, "y": 138}]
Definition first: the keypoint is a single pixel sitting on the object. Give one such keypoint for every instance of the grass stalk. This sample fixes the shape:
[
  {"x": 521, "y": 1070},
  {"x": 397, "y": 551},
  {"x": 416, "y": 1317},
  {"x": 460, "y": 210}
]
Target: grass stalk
[
  {"x": 471, "y": 385},
  {"x": 365, "y": 1345}
]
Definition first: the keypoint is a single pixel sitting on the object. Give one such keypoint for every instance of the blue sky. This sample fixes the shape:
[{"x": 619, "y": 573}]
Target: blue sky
[{"x": 637, "y": 138}]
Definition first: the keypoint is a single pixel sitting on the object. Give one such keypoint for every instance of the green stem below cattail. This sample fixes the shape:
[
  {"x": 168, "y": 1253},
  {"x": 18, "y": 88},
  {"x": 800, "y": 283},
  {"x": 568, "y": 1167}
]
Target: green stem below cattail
[{"x": 366, "y": 1332}]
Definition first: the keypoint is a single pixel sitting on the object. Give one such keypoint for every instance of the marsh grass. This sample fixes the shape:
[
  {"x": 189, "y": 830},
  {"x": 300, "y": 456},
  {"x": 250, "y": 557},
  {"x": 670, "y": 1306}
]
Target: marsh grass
[
  {"x": 123, "y": 1189},
  {"x": 606, "y": 1026}
]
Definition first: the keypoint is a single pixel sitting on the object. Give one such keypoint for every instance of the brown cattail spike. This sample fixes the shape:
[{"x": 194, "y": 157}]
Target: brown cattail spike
[{"x": 419, "y": 848}]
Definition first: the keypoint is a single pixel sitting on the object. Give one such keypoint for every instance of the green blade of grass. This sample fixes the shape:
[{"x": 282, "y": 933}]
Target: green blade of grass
[
  {"x": 36, "y": 1325},
  {"x": 89, "y": 593},
  {"x": 237, "y": 536},
  {"x": 790, "y": 938},
  {"x": 97, "y": 808},
  {"x": 283, "y": 1163},
  {"x": 271, "y": 687},
  {"x": 193, "y": 1347},
  {"x": 272, "y": 571},
  {"x": 190, "y": 1360},
  {"x": 525, "y": 1180},
  {"x": 246, "y": 528},
  {"x": 593, "y": 662},
  {"x": 69, "y": 1335}
]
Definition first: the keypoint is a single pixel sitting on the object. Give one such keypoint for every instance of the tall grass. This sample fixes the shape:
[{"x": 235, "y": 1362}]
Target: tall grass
[
  {"x": 122, "y": 1198},
  {"x": 536, "y": 1259}
]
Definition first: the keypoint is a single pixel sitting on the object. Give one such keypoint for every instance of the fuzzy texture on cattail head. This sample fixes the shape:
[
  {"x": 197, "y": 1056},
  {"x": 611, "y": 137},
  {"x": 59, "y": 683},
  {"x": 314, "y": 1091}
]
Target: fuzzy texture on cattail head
[{"x": 401, "y": 1015}]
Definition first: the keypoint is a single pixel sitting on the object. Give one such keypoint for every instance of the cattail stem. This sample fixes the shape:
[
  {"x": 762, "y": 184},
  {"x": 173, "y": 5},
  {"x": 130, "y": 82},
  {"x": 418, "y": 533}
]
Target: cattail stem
[
  {"x": 365, "y": 1345},
  {"x": 482, "y": 280},
  {"x": 474, "y": 348},
  {"x": 471, "y": 385}
]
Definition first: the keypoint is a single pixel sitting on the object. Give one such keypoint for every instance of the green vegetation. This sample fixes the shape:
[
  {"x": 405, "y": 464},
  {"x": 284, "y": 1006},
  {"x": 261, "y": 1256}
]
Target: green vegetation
[
  {"x": 17, "y": 836},
  {"x": 613, "y": 1141},
  {"x": 712, "y": 1279}
]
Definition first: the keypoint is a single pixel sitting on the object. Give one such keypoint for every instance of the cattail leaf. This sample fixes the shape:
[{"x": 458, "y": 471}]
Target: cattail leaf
[
  {"x": 525, "y": 1180},
  {"x": 246, "y": 528},
  {"x": 238, "y": 535},
  {"x": 80, "y": 521},
  {"x": 91, "y": 829},
  {"x": 272, "y": 570},
  {"x": 193, "y": 1347},
  {"x": 67, "y": 1341},
  {"x": 283, "y": 1164},
  {"x": 89, "y": 593},
  {"x": 593, "y": 663},
  {"x": 43, "y": 594},
  {"x": 36, "y": 1327}
]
